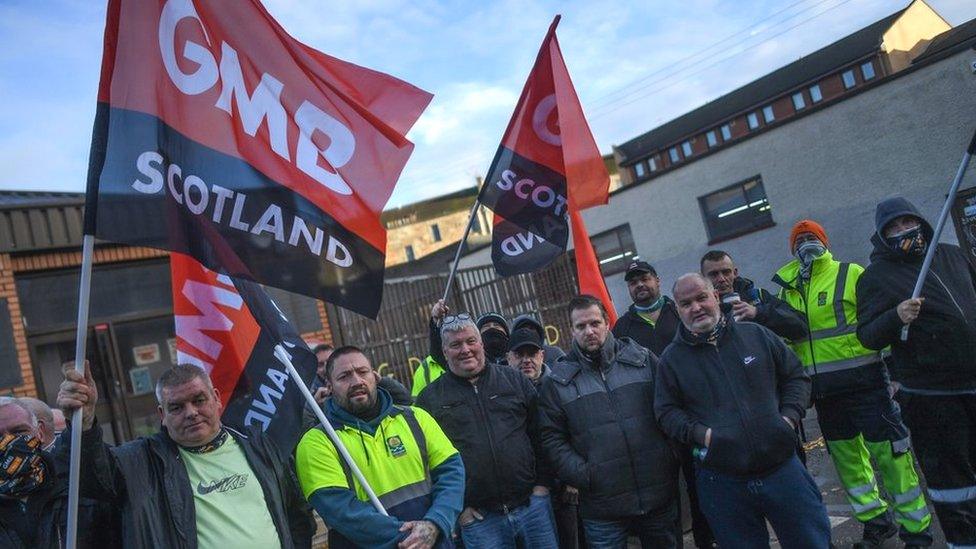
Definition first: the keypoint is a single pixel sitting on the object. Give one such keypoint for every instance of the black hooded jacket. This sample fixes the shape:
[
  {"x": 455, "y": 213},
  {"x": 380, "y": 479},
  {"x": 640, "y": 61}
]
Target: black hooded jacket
[
  {"x": 771, "y": 311},
  {"x": 940, "y": 353},
  {"x": 741, "y": 387},
  {"x": 599, "y": 433}
]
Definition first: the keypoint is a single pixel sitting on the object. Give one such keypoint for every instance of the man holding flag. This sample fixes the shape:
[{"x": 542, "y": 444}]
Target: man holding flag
[{"x": 196, "y": 483}]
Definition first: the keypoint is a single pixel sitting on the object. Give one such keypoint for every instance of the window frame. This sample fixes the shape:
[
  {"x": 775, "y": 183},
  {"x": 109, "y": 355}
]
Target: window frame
[
  {"x": 843, "y": 79},
  {"x": 801, "y": 104},
  {"x": 639, "y": 171},
  {"x": 757, "y": 222},
  {"x": 870, "y": 66},
  {"x": 711, "y": 138},
  {"x": 686, "y": 149},
  {"x": 815, "y": 97},
  {"x": 673, "y": 155},
  {"x": 726, "y": 129},
  {"x": 769, "y": 116},
  {"x": 409, "y": 253},
  {"x": 435, "y": 232},
  {"x": 752, "y": 120},
  {"x": 616, "y": 260}
]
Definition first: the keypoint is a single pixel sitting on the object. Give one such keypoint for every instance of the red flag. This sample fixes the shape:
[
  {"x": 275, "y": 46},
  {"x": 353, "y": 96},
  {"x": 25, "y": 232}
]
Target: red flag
[
  {"x": 588, "y": 272},
  {"x": 547, "y": 165},
  {"x": 230, "y": 327},
  {"x": 219, "y": 135}
]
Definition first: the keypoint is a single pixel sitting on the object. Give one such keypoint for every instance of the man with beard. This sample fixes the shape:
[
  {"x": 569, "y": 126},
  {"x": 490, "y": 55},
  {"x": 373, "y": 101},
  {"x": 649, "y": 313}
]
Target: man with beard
[
  {"x": 196, "y": 483},
  {"x": 935, "y": 368},
  {"x": 651, "y": 321},
  {"x": 489, "y": 413},
  {"x": 736, "y": 392},
  {"x": 857, "y": 417},
  {"x": 753, "y": 304},
  {"x": 32, "y": 497},
  {"x": 407, "y": 460},
  {"x": 598, "y": 430}
]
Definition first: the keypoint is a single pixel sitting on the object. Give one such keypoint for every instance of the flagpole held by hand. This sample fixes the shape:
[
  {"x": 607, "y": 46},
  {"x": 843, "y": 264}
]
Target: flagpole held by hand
[
  {"x": 943, "y": 215},
  {"x": 81, "y": 340},
  {"x": 457, "y": 255},
  {"x": 282, "y": 355}
]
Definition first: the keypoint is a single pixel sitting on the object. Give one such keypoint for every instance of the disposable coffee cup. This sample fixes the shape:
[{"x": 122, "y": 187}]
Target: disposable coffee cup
[{"x": 730, "y": 298}]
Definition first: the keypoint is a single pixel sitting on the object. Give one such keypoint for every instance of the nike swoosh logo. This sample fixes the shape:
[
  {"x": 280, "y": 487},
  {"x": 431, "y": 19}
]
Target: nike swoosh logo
[
  {"x": 226, "y": 484},
  {"x": 748, "y": 360}
]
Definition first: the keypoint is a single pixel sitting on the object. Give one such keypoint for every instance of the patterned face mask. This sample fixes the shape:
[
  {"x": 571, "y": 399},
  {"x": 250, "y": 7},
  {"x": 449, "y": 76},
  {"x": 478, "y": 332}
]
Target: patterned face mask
[
  {"x": 910, "y": 242},
  {"x": 22, "y": 468}
]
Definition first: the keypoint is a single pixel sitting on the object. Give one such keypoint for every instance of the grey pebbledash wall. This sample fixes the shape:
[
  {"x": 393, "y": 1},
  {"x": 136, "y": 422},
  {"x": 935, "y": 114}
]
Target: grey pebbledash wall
[{"x": 905, "y": 136}]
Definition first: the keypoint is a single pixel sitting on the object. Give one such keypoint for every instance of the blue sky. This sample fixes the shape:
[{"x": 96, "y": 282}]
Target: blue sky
[{"x": 635, "y": 65}]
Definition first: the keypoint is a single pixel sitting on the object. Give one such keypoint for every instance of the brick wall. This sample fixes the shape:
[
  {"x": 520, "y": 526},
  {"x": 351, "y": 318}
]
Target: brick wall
[{"x": 12, "y": 266}]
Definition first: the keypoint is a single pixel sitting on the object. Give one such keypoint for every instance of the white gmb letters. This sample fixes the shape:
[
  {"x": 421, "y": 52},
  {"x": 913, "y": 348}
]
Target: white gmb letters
[{"x": 263, "y": 104}]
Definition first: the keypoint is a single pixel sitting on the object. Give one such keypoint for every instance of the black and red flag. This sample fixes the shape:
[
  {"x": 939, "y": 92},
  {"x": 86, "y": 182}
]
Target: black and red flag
[
  {"x": 220, "y": 136},
  {"x": 230, "y": 328},
  {"x": 546, "y": 167}
]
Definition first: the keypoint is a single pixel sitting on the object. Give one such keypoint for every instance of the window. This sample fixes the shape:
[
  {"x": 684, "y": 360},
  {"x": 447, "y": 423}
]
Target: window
[
  {"x": 867, "y": 71},
  {"x": 711, "y": 138},
  {"x": 639, "y": 170},
  {"x": 673, "y": 154},
  {"x": 476, "y": 226},
  {"x": 614, "y": 249},
  {"x": 848, "y": 78},
  {"x": 753, "y": 121},
  {"x": 686, "y": 148},
  {"x": 815, "y": 95},
  {"x": 736, "y": 210},
  {"x": 798, "y": 102},
  {"x": 652, "y": 162},
  {"x": 409, "y": 252},
  {"x": 726, "y": 132},
  {"x": 435, "y": 232},
  {"x": 768, "y": 114}
]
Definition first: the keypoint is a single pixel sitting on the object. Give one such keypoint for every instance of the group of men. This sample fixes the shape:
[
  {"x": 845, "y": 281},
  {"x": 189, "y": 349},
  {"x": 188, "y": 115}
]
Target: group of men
[{"x": 509, "y": 443}]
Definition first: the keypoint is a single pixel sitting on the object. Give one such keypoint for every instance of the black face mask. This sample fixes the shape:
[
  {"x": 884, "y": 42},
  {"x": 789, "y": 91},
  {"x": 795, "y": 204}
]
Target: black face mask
[
  {"x": 495, "y": 342},
  {"x": 910, "y": 242}
]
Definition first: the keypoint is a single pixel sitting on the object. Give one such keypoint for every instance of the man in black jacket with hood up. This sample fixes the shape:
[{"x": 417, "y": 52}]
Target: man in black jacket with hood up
[
  {"x": 596, "y": 413},
  {"x": 736, "y": 391},
  {"x": 935, "y": 369}
]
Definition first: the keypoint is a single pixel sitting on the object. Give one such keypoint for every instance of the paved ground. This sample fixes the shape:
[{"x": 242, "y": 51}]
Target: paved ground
[{"x": 846, "y": 529}]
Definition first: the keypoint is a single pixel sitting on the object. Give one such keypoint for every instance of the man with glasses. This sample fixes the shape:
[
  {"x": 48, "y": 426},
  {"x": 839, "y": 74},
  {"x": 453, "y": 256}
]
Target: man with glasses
[{"x": 489, "y": 413}]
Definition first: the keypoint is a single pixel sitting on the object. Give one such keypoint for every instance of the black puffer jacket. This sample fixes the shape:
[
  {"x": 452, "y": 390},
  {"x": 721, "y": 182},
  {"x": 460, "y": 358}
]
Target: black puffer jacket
[
  {"x": 493, "y": 425},
  {"x": 42, "y": 515},
  {"x": 599, "y": 433},
  {"x": 653, "y": 338},
  {"x": 146, "y": 479},
  {"x": 741, "y": 387},
  {"x": 940, "y": 353}
]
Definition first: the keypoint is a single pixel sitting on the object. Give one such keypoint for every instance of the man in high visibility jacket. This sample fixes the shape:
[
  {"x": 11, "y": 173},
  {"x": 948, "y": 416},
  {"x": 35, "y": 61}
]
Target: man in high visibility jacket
[
  {"x": 850, "y": 390},
  {"x": 413, "y": 468}
]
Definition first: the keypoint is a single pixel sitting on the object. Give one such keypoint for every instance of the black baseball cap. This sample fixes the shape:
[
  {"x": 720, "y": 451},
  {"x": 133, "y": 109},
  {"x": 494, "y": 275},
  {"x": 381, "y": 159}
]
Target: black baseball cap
[
  {"x": 524, "y": 337},
  {"x": 492, "y": 317},
  {"x": 637, "y": 268}
]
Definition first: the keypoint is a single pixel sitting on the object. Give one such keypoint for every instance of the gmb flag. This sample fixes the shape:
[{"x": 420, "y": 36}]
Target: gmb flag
[
  {"x": 547, "y": 164},
  {"x": 220, "y": 136},
  {"x": 230, "y": 327}
]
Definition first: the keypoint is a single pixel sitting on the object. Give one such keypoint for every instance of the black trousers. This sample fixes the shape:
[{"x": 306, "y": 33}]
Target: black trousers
[{"x": 944, "y": 436}]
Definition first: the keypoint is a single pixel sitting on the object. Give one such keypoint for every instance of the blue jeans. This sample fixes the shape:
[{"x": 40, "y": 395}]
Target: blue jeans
[
  {"x": 530, "y": 526},
  {"x": 655, "y": 529},
  {"x": 737, "y": 508}
]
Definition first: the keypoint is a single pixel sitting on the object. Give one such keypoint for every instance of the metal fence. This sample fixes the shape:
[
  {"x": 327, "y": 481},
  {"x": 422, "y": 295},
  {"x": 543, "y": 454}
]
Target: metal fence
[{"x": 397, "y": 341}]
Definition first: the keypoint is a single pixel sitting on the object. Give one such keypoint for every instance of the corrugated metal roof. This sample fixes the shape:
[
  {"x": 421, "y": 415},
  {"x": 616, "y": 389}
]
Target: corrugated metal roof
[
  {"x": 806, "y": 69},
  {"x": 39, "y": 220}
]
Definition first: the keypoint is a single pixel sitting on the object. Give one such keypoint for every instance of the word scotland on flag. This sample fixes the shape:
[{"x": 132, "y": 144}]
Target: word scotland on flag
[
  {"x": 230, "y": 327},
  {"x": 546, "y": 164},
  {"x": 220, "y": 136}
]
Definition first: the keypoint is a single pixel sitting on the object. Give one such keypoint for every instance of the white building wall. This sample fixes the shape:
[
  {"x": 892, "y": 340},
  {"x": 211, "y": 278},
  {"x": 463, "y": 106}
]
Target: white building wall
[{"x": 905, "y": 137}]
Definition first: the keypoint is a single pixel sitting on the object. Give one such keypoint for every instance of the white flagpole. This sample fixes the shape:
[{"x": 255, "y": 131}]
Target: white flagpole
[
  {"x": 457, "y": 255},
  {"x": 81, "y": 340},
  {"x": 930, "y": 253},
  {"x": 285, "y": 359}
]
